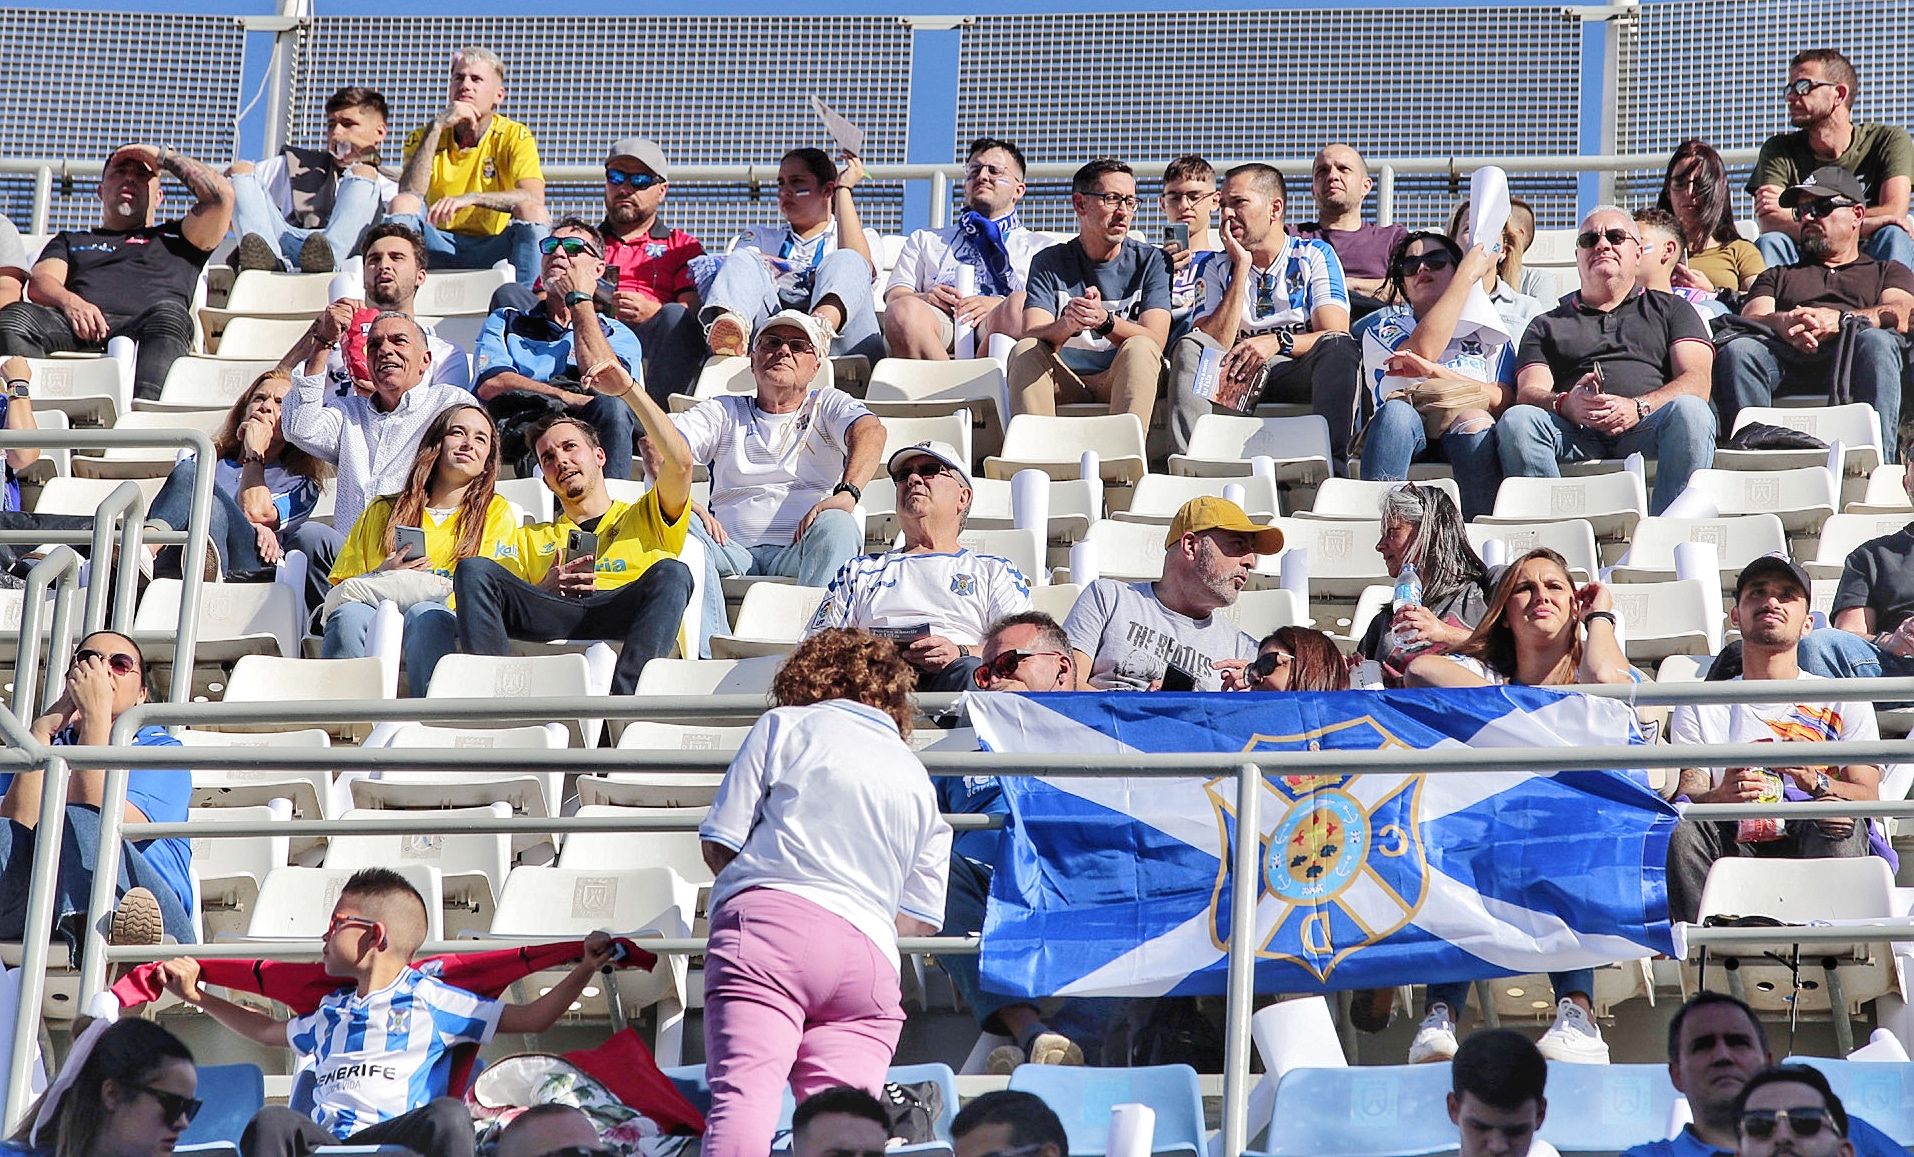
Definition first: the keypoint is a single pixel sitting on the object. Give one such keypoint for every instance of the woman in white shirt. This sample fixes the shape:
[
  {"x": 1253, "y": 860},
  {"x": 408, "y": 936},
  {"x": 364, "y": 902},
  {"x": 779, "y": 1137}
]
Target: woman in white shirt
[{"x": 827, "y": 844}]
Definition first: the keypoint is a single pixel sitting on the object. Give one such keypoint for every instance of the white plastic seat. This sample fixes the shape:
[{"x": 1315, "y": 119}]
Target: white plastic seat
[
  {"x": 296, "y": 903},
  {"x": 146, "y": 461},
  {"x": 458, "y": 292},
  {"x": 1803, "y": 499},
  {"x": 1128, "y": 551},
  {"x": 1611, "y": 502},
  {"x": 461, "y": 676},
  {"x": 1737, "y": 539},
  {"x": 89, "y": 391},
  {"x": 1855, "y": 425},
  {"x": 678, "y": 851},
  {"x": 1354, "y": 498},
  {"x": 530, "y": 495},
  {"x": 276, "y": 679},
  {"x": 260, "y": 337},
  {"x": 1055, "y": 445},
  {"x": 1682, "y": 617},
  {"x": 84, "y": 495},
  {"x": 472, "y": 866},
  {"x": 227, "y": 871},
  {"x": 1075, "y": 503},
  {"x": 1373, "y": 601},
  {"x": 657, "y": 785},
  {"x": 1158, "y": 497},
  {"x": 529, "y": 793},
  {"x": 1055, "y": 599},
  {"x": 212, "y": 384},
  {"x": 234, "y": 619},
  {"x": 1885, "y": 493},
  {"x": 308, "y": 791},
  {"x": 52, "y": 463},
  {"x": 905, "y": 388},
  {"x": 1842, "y": 533},
  {"x": 771, "y": 621},
  {"x": 1342, "y": 556},
  {"x": 272, "y": 293},
  {"x": 1259, "y": 612},
  {"x": 952, "y": 428},
  {"x": 1572, "y": 538},
  {"x": 708, "y": 676},
  {"x": 1224, "y": 444},
  {"x": 1683, "y": 668}
]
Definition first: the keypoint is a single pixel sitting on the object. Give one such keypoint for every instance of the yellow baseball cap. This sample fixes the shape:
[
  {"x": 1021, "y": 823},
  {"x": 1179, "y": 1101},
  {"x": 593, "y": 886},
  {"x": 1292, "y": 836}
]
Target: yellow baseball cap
[{"x": 1212, "y": 513}]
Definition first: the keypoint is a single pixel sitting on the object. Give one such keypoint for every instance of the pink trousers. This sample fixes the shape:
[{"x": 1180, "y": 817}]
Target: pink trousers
[{"x": 792, "y": 993}]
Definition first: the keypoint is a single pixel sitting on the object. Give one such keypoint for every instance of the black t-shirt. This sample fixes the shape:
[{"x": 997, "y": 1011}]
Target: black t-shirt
[
  {"x": 125, "y": 271},
  {"x": 1856, "y": 285},
  {"x": 1634, "y": 342},
  {"x": 1878, "y": 576}
]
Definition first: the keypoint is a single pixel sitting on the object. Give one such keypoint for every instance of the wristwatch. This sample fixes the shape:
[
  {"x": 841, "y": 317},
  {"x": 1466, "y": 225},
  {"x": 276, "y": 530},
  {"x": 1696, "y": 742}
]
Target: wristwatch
[
  {"x": 1109, "y": 323},
  {"x": 846, "y": 488},
  {"x": 1642, "y": 410},
  {"x": 1822, "y": 785},
  {"x": 1285, "y": 343},
  {"x": 577, "y": 298},
  {"x": 18, "y": 388}
]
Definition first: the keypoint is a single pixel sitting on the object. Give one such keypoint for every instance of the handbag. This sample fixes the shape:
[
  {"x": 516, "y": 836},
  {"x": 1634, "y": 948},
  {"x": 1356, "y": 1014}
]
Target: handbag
[{"x": 1441, "y": 400}]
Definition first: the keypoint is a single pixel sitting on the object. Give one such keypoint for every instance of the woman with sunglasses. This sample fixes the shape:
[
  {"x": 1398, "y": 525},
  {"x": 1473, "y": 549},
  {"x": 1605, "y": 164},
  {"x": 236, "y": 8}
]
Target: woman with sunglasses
[
  {"x": 1695, "y": 190},
  {"x": 126, "y": 1091},
  {"x": 1296, "y": 659},
  {"x": 1540, "y": 630},
  {"x": 820, "y": 260},
  {"x": 1424, "y": 346},
  {"x": 449, "y": 498},
  {"x": 827, "y": 844},
  {"x": 105, "y": 679}
]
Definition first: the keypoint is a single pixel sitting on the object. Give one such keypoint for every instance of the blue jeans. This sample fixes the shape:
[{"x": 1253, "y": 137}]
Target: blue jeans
[
  {"x": 1751, "y": 369},
  {"x": 431, "y": 633},
  {"x": 354, "y": 209},
  {"x": 832, "y": 540},
  {"x": 1845, "y": 655},
  {"x": 1680, "y": 436},
  {"x": 234, "y": 536},
  {"x": 1888, "y": 243},
  {"x": 73, "y": 890},
  {"x": 518, "y": 243},
  {"x": 1396, "y": 437},
  {"x": 1456, "y": 994},
  {"x": 741, "y": 283}
]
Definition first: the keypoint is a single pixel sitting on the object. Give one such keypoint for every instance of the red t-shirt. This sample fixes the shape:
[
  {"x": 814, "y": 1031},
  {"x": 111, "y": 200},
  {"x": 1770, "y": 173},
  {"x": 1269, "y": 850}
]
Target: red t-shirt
[{"x": 656, "y": 264}]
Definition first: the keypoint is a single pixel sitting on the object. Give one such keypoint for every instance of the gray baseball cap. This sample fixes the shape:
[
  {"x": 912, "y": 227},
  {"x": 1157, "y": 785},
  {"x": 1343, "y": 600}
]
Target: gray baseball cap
[{"x": 645, "y": 152}]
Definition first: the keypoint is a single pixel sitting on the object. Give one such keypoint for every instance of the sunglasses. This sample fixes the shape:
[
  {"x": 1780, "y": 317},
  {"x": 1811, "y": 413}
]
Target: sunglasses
[
  {"x": 638, "y": 181},
  {"x": 337, "y": 923},
  {"x": 1806, "y": 1122},
  {"x": 572, "y": 246},
  {"x": 1266, "y": 663},
  {"x": 771, "y": 343},
  {"x": 1435, "y": 261},
  {"x": 121, "y": 663},
  {"x": 1804, "y": 86},
  {"x": 1006, "y": 663},
  {"x": 1820, "y": 207},
  {"x": 172, "y": 1104},
  {"x": 926, "y": 469},
  {"x": 1615, "y": 237}
]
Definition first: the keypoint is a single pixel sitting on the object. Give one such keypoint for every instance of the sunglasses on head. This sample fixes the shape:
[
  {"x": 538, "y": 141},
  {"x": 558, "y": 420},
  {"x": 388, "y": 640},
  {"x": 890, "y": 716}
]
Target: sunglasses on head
[
  {"x": 1436, "y": 260},
  {"x": 771, "y": 343},
  {"x": 172, "y": 1104},
  {"x": 1820, "y": 207},
  {"x": 572, "y": 246},
  {"x": 929, "y": 468},
  {"x": 638, "y": 181},
  {"x": 1805, "y": 1122},
  {"x": 1594, "y": 237},
  {"x": 120, "y": 663}
]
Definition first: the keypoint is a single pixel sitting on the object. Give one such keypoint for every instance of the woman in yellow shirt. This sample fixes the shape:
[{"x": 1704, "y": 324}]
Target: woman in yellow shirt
[
  {"x": 1695, "y": 189},
  {"x": 449, "y": 499}
]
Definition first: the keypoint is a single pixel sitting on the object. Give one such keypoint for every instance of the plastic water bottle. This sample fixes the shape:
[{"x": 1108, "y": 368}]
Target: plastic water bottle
[{"x": 1408, "y": 594}]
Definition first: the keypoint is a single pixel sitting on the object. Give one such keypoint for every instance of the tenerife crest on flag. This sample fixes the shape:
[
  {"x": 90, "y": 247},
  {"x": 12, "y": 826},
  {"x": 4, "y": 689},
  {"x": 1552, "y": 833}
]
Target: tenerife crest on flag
[{"x": 1122, "y": 886}]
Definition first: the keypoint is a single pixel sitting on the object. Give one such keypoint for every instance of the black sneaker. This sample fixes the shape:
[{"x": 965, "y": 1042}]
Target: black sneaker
[
  {"x": 255, "y": 252},
  {"x": 315, "y": 255}
]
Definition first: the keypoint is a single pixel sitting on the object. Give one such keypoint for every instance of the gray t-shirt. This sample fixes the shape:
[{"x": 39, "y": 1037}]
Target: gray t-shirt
[{"x": 1131, "y": 637}]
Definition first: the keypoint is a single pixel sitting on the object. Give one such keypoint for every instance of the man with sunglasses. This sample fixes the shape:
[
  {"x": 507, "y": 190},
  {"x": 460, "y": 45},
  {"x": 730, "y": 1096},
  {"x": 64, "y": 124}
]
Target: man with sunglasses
[
  {"x": 1834, "y": 305},
  {"x": 787, "y": 465},
  {"x": 532, "y": 363},
  {"x": 932, "y": 595},
  {"x": 1097, "y": 308},
  {"x": 649, "y": 265},
  {"x": 922, "y": 302},
  {"x": 1613, "y": 369},
  {"x": 1820, "y": 94},
  {"x": 1716, "y": 1046},
  {"x": 1791, "y": 1110}
]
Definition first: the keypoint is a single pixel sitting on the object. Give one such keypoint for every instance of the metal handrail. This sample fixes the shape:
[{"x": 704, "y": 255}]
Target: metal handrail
[{"x": 61, "y": 566}]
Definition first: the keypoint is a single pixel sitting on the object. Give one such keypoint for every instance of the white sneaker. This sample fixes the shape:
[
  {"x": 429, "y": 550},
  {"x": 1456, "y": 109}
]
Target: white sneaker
[
  {"x": 1574, "y": 1038},
  {"x": 1435, "y": 1037}
]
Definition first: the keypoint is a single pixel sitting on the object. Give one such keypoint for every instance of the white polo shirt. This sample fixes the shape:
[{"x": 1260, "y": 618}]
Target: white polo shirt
[
  {"x": 829, "y": 803},
  {"x": 768, "y": 470}
]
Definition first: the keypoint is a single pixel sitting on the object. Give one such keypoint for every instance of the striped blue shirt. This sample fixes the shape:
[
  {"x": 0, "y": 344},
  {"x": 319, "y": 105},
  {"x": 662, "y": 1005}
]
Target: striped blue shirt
[{"x": 1306, "y": 276}]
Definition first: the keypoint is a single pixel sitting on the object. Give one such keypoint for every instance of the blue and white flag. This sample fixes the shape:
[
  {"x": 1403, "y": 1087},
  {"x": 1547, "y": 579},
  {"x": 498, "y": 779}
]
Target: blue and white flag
[{"x": 1121, "y": 886}]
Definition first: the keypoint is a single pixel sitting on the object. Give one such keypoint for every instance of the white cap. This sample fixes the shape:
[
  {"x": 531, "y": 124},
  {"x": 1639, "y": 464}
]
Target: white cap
[
  {"x": 811, "y": 326},
  {"x": 942, "y": 451}
]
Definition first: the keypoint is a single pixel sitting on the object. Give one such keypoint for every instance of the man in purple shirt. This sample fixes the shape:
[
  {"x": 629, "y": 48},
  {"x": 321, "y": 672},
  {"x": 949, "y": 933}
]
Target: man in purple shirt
[{"x": 1339, "y": 181}]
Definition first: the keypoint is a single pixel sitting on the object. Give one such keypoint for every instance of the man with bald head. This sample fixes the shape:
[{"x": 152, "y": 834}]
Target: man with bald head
[
  {"x": 372, "y": 439},
  {"x": 1339, "y": 181},
  {"x": 549, "y": 1130},
  {"x": 1615, "y": 368}
]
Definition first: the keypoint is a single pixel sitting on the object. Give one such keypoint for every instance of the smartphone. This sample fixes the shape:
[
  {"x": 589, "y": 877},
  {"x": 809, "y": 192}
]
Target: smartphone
[
  {"x": 410, "y": 540},
  {"x": 1177, "y": 232},
  {"x": 608, "y": 283},
  {"x": 580, "y": 544},
  {"x": 1176, "y": 678},
  {"x": 1601, "y": 381}
]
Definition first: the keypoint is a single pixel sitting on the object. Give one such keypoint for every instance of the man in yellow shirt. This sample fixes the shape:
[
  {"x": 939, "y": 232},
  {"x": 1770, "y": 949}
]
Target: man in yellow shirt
[
  {"x": 602, "y": 569},
  {"x": 472, "y": 185}
]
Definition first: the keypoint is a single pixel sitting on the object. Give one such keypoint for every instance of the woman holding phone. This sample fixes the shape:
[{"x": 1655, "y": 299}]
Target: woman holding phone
[{"x": 405, "y": 546}]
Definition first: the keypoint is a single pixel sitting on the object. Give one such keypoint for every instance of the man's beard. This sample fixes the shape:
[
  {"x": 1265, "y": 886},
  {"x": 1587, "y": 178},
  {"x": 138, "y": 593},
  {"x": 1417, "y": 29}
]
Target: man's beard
[{"x": 1816, "y": 247}]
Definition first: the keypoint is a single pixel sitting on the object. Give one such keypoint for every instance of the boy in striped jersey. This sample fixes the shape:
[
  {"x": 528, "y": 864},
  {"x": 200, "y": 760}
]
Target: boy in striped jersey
[{"x": 381, "y": 1049}]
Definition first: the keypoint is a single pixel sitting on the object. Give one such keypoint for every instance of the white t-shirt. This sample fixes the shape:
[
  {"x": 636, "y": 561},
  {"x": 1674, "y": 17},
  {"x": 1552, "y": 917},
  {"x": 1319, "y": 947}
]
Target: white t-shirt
[
  {"x": 959, "y": 594},
  {"x": 927, "y": 258},
  {"x": 828, "y": 803},
  {"x": 768, "y": 470},
  {"x": 791, "y": 257},
  {"x": 386, "y": 1055},
  {"x": 1131, "y": 638},
  {"x": 1778, "y": 722}
]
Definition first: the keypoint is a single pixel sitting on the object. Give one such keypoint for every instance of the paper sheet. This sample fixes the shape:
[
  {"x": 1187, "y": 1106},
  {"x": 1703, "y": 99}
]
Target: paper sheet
[
  {"x": 1488, "y": 206},
  {"x": 848, "y": 136}
]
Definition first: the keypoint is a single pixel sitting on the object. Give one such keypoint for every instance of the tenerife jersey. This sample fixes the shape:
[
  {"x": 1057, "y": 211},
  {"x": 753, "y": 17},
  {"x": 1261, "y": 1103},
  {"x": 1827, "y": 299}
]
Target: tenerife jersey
[
  {"x": 382, "y": 1056},
  {"x": 1306, "y": 276},
  {"x": 958, "y": 595}
]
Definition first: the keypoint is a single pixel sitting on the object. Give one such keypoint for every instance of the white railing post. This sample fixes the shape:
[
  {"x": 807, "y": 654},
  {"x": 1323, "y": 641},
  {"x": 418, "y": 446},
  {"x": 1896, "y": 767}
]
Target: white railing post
[{"x": 1245, "y": 874}]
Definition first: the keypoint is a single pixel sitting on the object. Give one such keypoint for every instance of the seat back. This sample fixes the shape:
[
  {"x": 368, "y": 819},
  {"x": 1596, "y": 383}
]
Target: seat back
[
  {"x": 452, "y": 854},
  {"x": 678, "y": 850},
  {"x": 1604, "y": 1108},
  {"x": 1856, "y": 888},
  {"x": 1878, "y": 1092},
  {"x": 197, "y": 383},
  {"x": 708, "y": 676},
  {"x": 779, "y": 611},
  {"x": 96, "y": 387},
  {"x": 227, "y": 611},
  {"x": 229, "y": 1096},
  {"x": 1056, "y": 444},
  {"x": 1083, "y": 1098},
  {"x": 1581, "y": 496},
  {"x": 296, "y": 903},
  {"x": 458, "y": 293},
  {"x": 952, "y": 428},
  {"x": 1738, "y": 539},
  {"x": 260, "y": 337},
  {"x": 1362, "y": 1111},
  {"x": 1362, "y": 500},
  {"x": 1259, "y": 612},
  {"x": 1224, "y": 444},
  {"x": 1158, "y": 497},
  {"x": 1128, "y": 551},
  {"x": 1572, "y": 538},
  {"x": 269, "y": 292}
]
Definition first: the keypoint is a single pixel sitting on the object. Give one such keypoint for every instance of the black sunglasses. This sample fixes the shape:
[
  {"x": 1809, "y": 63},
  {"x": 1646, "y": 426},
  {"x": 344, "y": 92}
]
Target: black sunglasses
[
  {"x": 638, "y": 181},
  {"x": 1436, "y": 260},
  {"x": 1804, "y": 86},
  {"x": 172, "y": 1104},
  {"x": 930, "y": 468},
  {"x": 1266, "y": 663},
  {"x": 1006, "y": 663},
  {"x": 1820, "y": 207},
  {"x": 121, "y": 663},
  {"x": 1805, "y": 1122},
  {"x": 1593, "y": 237},
  {"x": 572, "y": 246},
  {"x": 771, "y": 343}
]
